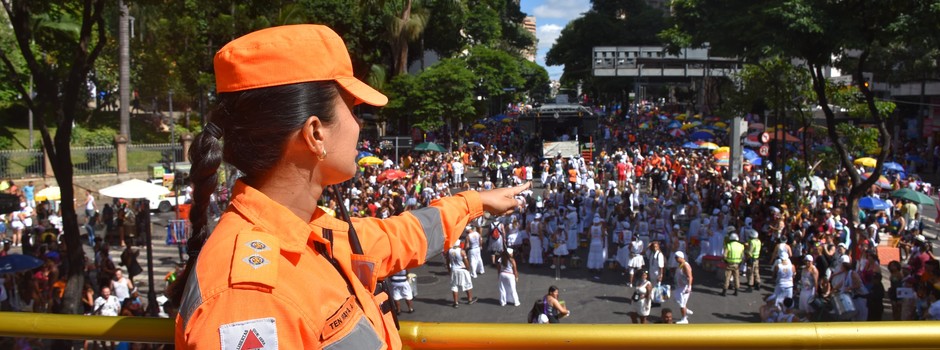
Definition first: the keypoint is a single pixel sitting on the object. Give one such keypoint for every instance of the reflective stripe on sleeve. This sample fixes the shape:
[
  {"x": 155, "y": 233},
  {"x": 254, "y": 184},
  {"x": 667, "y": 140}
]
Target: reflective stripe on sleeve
[
  {"x": 192, "y": 298},
  {"x": 430, "y": 219},
  {"x": 361, "y": 337}
]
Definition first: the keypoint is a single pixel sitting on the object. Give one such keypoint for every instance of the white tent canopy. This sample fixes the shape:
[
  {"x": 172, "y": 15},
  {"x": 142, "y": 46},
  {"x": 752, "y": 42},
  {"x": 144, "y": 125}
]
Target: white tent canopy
[{"x": 134, "y": 188}]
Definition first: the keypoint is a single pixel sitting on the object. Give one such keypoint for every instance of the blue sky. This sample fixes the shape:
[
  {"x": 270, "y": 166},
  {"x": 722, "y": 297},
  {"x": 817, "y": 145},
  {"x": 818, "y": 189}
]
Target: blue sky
[{"x": 551, "y": 16}]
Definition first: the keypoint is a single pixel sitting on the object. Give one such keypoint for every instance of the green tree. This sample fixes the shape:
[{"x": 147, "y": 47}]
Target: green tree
[
  {"x": 820, "y": 34},
  {"x": 445, "y": 34},
  {"x": 495, "y": 71},
  {"x": 442, "y": 93},
  {"x": 405, "y": 22},
  {"x": 60, "y": 79},
  {"x": 607, "y": 23}
]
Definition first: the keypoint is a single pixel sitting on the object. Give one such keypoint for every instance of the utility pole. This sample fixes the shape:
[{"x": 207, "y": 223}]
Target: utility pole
[{"x": 125, "y": 69}]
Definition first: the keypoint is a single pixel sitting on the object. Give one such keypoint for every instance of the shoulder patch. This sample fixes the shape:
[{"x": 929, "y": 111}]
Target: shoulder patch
[
  {"x": 255, "y": 258},
  {"x": 252, "y": 334}
]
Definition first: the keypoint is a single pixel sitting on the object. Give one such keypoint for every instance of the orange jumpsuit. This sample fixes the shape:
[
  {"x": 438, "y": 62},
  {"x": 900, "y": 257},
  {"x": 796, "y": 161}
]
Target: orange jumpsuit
[{"x": 261, "y": 283}]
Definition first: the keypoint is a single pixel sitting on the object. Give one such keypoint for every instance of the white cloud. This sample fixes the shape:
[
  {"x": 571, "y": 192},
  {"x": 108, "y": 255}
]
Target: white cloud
[
  {"x": 565, "y": 10},
  {"x": 547, "y": 34}
]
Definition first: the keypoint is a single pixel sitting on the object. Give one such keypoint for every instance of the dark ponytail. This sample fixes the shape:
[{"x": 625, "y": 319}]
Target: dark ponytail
[{"x": 255, "y": 126}]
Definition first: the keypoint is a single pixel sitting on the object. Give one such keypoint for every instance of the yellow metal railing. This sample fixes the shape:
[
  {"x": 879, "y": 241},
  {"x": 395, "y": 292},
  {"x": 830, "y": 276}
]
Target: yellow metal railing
[{"x": 420, "y": 335}]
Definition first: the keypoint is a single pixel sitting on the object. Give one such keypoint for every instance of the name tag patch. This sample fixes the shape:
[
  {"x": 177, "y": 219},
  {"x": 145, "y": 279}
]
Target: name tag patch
[
  {"x": 249, "y": 335},
  {"x": 340, "y": 318}
]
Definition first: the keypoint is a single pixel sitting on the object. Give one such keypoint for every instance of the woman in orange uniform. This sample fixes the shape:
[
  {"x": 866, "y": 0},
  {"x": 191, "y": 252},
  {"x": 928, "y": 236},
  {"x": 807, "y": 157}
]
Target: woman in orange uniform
[{"x": 277, "y": 271}]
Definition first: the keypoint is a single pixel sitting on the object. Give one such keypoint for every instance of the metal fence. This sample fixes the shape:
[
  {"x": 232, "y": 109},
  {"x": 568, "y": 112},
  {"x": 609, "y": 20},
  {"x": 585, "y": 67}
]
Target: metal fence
[
  {"x": 21, "y": 163},
  {"x": 140, "y": 156},
  {"x": 94, "y": 160}
]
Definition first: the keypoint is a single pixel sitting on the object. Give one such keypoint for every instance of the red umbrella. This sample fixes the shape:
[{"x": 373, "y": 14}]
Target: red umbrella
[
  {"x": 677, "y": 133},
  {"x": 392, "y": 174}
]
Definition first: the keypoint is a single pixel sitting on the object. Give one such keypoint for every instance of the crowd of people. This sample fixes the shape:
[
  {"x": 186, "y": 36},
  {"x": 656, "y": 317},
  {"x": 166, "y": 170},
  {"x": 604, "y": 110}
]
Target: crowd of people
[
  {"x": 644, "y": 203},
  {"x": 35, "y": 230},
  {"x": 646, "y": 206}
]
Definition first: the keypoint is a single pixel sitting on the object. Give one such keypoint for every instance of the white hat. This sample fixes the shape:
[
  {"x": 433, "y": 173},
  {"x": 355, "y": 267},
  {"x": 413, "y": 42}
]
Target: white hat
[
  {"x": 716, "y": 211},
  {"x": 597, "y": 219},
  {"x": 752, "y": 233},
  {"x": 729, "y": 229},
  {"x": 509, "y": 250},
  {"x": 679, "y": 254},
  {"x": 846, "y": 259},
  {"x": 808, "y": 258},
  {"x": 538, "y": 216},
  {"x": 705, "y": 221},
  {"x": 920, "y": 238},
  {"x": 734, "y": 237},
  {"x": 675, "y": 227},
  {"x": 843, "y": 245},
  {"x": 456, "y": 243}
]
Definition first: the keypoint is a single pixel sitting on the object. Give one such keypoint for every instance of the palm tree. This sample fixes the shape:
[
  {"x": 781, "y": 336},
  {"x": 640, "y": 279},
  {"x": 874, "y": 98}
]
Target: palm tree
[{"x": 404, "y": 28}]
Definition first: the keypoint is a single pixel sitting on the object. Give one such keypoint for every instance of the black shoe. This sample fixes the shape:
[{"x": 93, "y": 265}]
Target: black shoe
[
  {"x": 456, "y": 305},
  {"x": 411, "y": 311},
  {"x": 735, "y": 292},
  {"x": 723, "y": 292},
  {"x": 471, "y": 301}
]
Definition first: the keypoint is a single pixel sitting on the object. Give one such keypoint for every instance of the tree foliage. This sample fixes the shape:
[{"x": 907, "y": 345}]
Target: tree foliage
[
  {"x": 820, "y": 34},
  {"x": 607, "y": 23},
  {"x": 59, "y": 59}
]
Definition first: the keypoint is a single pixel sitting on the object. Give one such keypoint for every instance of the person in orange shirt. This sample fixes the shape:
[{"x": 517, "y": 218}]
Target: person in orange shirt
[{"x": 278, "y": 271}]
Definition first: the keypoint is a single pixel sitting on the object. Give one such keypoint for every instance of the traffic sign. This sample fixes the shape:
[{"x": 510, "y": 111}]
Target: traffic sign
[
  {"x": 764, "y": 137},
  {"x": 763, "y": 150}
]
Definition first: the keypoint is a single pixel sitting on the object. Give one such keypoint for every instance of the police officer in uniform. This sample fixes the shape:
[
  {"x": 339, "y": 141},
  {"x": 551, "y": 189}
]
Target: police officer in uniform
[
  {"x": 734, "y": 254},
  {"x": 753, "y": 260}
]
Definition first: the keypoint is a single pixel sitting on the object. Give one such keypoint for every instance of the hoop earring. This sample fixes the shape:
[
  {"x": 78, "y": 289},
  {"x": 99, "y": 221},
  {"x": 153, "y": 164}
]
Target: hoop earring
[{"x": 322, "y": 155}]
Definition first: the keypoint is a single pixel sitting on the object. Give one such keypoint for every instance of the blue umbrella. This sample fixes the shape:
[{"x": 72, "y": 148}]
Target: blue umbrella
[
  {"x": 675, "y": 124},
  {"x": 363, "y": 154},
  {"x": 872, "y": 203},
  {"x": 757, "y": 161},
  {"x": 892, "y": 166},
  {"x": 18, "y": 262},
  {"x": 701, "y": 135},
  {"x": 750, "y": 155},
  {"x": 690, "y": 145}
]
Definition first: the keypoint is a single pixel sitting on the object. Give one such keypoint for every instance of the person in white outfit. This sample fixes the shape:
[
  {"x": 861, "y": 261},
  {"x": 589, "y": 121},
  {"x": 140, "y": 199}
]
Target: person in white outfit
[
  {"x": 571, "y": 224},
  {"x": 642, "y": 299},
  {"x": 460, "y": 279},
  {"x": 401, "y": 289},
  {"x": 656, "y": 264},
  {"x": 622, "y": 238},
  {"x": 107, "y": 304},
  {"x": 683, "y": 286},
  {"x": 598, "y": 248},
  {"x": 784, "y": 273},
  {"x": 636, "y": 258},
  {"x": 536, "y": 230},
  {"x": 474, "y": 248},
  {"x": 508, "y": 276},
  {"x": 458, "y": 171},
  {"x": 809, "y": 279},
  {"x": 121, "y": 286}
]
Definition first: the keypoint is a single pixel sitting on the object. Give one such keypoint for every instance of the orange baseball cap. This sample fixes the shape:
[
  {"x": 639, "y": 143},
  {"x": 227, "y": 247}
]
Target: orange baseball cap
[{"x": 289, "y": 55}]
